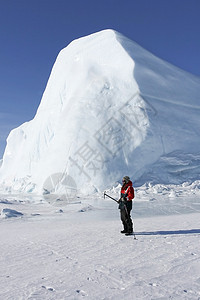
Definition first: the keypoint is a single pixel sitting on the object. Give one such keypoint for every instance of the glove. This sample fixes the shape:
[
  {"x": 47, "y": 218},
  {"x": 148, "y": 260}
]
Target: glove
[
  {"x": 120, "y": 200},
  {"x": 123, "y": 199}
]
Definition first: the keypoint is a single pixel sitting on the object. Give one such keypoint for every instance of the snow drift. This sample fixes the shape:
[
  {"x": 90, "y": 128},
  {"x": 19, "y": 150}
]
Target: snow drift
[
  {"x": 10, "y": 213},
  {"x": 110, "y": 109}
]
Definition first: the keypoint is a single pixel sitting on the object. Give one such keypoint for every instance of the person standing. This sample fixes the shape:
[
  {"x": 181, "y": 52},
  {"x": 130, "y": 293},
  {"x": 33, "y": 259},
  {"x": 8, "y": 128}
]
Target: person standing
[{"x": 125, "y": 205}]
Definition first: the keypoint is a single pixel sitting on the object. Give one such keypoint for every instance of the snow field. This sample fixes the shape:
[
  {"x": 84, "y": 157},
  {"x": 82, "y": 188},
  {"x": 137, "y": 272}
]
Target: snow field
[
  {"x": 94, "y": 125},
  {"x": 80, "y": 253}
]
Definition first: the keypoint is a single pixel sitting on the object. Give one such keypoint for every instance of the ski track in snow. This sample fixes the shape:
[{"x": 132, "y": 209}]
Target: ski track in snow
[{"x": 75, "y": 255}]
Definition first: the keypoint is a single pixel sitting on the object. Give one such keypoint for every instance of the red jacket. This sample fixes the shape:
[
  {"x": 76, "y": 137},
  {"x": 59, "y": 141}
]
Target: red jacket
[{"x": 127, "y": 190}]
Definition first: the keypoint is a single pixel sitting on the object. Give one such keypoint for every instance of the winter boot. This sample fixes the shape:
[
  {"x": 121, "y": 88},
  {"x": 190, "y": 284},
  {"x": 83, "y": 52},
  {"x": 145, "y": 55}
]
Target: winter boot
[{"x": 129, "y": 233}]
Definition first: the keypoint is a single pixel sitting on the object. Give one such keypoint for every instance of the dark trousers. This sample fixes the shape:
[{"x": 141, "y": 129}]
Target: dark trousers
[{"x": 126, "y": 217}]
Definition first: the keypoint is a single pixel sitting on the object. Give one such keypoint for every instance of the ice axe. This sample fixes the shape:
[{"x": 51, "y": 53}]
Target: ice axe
[{"x": 109, "y": 197}]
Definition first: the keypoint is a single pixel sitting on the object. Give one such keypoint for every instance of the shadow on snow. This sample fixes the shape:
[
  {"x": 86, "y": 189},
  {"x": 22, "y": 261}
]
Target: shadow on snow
[{"x": 169, "y": 232}]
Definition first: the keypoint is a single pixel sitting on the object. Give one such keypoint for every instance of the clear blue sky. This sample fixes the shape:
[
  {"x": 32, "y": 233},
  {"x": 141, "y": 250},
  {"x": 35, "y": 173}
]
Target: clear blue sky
[{"x": 32, "y": 32}]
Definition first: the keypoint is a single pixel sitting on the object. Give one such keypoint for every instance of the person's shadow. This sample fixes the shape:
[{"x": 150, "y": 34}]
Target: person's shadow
[{"x": 169, "y": 232}]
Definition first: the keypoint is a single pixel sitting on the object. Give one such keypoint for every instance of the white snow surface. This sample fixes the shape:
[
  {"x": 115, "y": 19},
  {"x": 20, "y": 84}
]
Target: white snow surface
[
  {"x": 110, "y": 109},
  {"x": 77, "y": 251}
]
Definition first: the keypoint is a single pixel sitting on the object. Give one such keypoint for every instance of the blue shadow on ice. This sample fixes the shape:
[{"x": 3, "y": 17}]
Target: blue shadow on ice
[{"x": 169, "y": 232}]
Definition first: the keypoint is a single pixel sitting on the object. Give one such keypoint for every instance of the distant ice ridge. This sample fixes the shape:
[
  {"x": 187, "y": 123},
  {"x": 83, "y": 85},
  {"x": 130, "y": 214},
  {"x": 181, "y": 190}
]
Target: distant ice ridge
[{"x": 110, "y": 108}]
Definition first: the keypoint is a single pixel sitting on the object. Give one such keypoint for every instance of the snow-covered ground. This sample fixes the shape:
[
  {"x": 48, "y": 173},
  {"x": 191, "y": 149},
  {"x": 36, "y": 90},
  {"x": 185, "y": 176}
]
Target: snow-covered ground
[
  {"x": 110, "y": 109},
  {"x": 76, "y": 250}
]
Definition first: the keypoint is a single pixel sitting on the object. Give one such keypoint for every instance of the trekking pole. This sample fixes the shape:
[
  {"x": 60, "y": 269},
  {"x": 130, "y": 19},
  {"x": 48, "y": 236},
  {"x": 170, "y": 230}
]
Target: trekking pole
[{"x": 109, "y": 197}]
